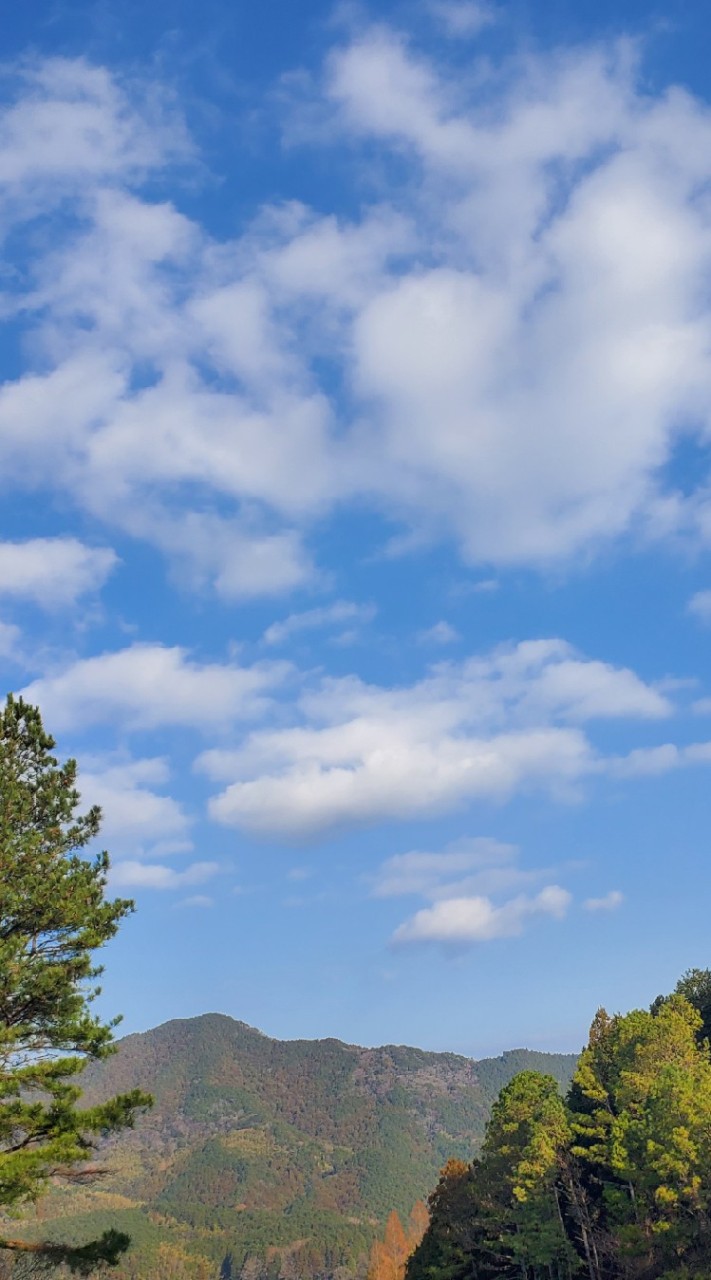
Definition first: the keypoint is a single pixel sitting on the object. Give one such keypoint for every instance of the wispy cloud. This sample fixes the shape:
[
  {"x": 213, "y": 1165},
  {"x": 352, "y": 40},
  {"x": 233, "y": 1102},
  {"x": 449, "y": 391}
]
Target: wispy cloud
[
  {"x": 610, "y": 902},
  {"x": 341, "y": 611},
  {"x": 146, "y": 875},
  {"x": 477, "y": 865},
  {"x": 651, "y": 762},
  {"x": 10, "y": 638},
  {"x": 700, "y": 605},
  {"x": 441, "y": 633},
  {"x": 463, "y": 18}
]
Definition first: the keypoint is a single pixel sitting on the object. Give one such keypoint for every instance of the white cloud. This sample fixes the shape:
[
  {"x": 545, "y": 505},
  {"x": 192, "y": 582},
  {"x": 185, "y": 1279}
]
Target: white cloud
[
  {"x": 519, "y": 330},
  {"x": 483, "y": 728},
  {"x": 700, "y": 605},
  {"x": 10, "y": 637},
  {"x": 441, "y": 633},
  {"x": 372, "y": 770},
  {"x": 147, "y": 685},
  {"x": 610, "y": 902},
  {"x": 384, "y": 92},
  {"x": 313, "y": 619},
  {"x": 654, "y": 761},
  {"x": 462, "y": 18},
  {"x": 133, "y": 812},
  {"x": 71, "y": 125},
  {"x": 146, "y": 875},
  {"x": 240, "y": 560},
  {"x": 473, "y": 866},
  {"x": 464, "y": 884},
  {"x": 477, "y": 364},
  {"x": 462, "y": 921},
  {"x": 53, "y": 571}
]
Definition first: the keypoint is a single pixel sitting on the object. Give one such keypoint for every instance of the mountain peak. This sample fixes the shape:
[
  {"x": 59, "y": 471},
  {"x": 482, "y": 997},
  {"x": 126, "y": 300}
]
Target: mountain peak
[{"x": 257, "y": 1144}]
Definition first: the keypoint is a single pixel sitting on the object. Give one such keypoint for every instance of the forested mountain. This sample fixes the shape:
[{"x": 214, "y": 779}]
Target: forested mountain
[{"x": 275, "y": 1157}]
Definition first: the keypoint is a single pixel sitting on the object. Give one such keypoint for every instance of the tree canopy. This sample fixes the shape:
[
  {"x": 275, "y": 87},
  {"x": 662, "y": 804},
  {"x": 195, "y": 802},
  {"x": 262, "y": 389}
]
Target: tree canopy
[
  {"x": 54, "y": 915},
  {"x": 611, "y": 1183}
]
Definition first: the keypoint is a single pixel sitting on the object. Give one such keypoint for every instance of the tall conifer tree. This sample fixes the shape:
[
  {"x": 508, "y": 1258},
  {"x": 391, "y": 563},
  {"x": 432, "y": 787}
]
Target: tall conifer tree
[{"x": 53, "y": 916}]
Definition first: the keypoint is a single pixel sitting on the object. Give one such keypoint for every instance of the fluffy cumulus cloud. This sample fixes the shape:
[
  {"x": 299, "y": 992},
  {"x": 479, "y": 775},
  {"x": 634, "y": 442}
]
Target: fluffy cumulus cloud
[
  {"x": 514, "y": 341},
  {"x": 469, "y": 886},
  {"x": 53, "y": 571},
  {"x": 460, "y": 921},
  {"x": 134, "y": 812},
  {"x": 150, "y": 685},
  {"x": 481, "y": 729}
]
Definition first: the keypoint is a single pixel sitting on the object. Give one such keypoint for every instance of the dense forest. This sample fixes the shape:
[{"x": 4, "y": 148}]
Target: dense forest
[
  {"x": 273, "y": 1159},
  {"x": 612, "y": 1182}
]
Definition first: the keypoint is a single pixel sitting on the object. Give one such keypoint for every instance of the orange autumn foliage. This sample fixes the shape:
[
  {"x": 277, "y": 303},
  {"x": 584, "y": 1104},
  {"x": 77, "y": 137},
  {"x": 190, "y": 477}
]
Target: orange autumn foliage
[{"x": 389, "y": 1255}]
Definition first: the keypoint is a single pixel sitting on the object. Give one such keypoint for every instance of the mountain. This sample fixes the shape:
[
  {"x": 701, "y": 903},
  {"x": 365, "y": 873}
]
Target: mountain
[{"x": 276, "y": 1158}]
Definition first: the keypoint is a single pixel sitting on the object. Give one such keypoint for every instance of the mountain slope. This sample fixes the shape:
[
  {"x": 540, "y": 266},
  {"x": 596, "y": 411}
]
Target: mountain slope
[{"x": 291, "y": 1152}]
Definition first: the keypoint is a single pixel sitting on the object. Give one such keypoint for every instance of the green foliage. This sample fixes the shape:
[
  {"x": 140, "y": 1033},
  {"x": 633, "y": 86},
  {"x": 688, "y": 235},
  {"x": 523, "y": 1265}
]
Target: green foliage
[
  {"x": 287, "y": 1155},
  {"x": 694, "y": 986},
  {"x": 53, "y": 916},
  {"x": 527, "y": 1138},
  {"x": 614, "y": 1183}
]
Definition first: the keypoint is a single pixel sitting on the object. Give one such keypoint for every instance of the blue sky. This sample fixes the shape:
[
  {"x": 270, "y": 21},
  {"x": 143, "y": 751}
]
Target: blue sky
[{"x": 354, "y": 441}]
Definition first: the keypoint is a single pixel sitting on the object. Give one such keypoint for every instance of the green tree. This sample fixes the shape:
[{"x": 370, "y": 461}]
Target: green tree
[
  {"x": 642, "y": 1121},
  {"x": 53, "y": 917},
  {"x": 694, "y": 986},
  {"x": 454, "y": 1243},
  {"x": 614, "y": 1183},
  {"x": 525, "y": 1159}
]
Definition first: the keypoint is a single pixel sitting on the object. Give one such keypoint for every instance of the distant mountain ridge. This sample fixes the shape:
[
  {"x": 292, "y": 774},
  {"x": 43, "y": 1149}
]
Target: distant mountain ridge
[{"x": 283, "y": 1157}]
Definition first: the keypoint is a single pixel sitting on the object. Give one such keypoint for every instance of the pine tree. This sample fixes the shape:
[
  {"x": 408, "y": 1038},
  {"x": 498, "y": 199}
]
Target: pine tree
[
  {"x": 524, "y": 1157},
  {"x": 53, "y": 916},
  {"x": 647, "y": 1131}
]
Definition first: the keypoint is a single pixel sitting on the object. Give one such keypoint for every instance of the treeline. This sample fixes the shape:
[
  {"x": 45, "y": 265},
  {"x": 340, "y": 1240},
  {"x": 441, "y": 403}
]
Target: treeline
[{"x": 612, "y": 1182}]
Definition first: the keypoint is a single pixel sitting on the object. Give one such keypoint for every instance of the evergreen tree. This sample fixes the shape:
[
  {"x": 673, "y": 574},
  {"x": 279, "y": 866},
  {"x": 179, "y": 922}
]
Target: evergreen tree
[
  {"x": 612, "y": 1183},
  {"x": 523, "y": 1159},
  {"x": 694, "y": 986},
  {"x": 642, "y": 1095},
  {"x": 53, "y": 917}
]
